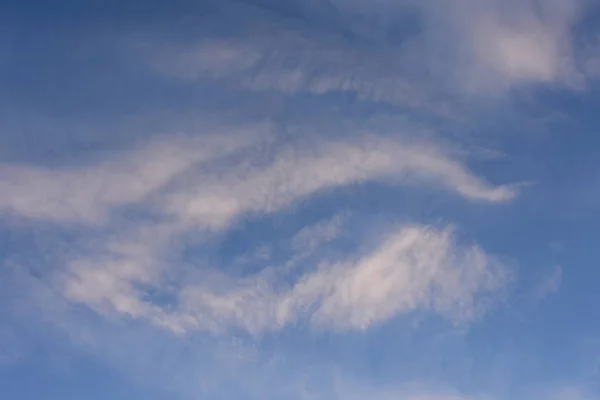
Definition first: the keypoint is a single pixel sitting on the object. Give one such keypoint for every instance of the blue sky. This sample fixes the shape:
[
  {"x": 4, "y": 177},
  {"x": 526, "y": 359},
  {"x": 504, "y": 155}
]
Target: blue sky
[{"x": 260, "y": 199}]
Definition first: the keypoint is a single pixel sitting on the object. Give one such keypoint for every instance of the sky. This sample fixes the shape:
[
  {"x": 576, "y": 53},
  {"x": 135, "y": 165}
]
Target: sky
[{"x": 300, "y": 199}]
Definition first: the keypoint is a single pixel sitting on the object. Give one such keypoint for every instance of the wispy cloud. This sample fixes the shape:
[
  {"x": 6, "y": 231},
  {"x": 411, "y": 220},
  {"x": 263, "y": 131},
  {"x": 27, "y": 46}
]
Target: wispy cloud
[
  {"x": 461, "y": 48},
  {"x": 87, "y": 193},
  {"x": 295, "y": 173},
  {"x": 204, "y": 365},
  {"x": 414, "y": 268},
  {"x": 549, "y": 284},
  {"x": 190, "y": 181},
  {"x": 507, "y": 43},
  {"x": 207, "y": 184}
]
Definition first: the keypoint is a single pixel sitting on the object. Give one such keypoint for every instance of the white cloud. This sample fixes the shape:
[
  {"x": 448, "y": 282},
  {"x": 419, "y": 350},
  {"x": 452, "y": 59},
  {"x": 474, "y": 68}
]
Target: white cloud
[
  {"x": 294, "y": 173},
  {"x": 518, "y": 55},
  {"x": 311, "y": 237},
  {"x": 199, "y": 180},
  {"x": 463, "y": 47},
  {"x": 204, "y": 184},
  {"x": 513, "y": 42},
  {"x": 291, "y": 62},
  {"x": 88, "y": 193},
  {"x": 416, "y": 268}
]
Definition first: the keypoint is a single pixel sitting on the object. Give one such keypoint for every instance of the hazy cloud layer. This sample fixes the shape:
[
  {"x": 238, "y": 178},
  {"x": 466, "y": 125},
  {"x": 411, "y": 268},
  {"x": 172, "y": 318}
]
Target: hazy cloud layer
[
  {"x": 463, "y": 48},
  {"x": 354, "y": 224},
  {"x": 191, "y": 185}
]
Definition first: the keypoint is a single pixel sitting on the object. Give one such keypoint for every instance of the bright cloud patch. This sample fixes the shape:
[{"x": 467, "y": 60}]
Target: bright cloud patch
[
  {"x": 88, "y": 193},
  {"x": 496, "y": 45},
  {"x": 211, "y": 181},
  {"x": 414, "y": 268},
  {"x": 203, "y": 186}
]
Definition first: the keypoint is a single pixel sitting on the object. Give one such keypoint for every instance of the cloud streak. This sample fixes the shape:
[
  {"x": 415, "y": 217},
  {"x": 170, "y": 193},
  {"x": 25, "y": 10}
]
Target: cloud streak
[
  {"x": 206, "y": 185},
  {"x": 463, "y": 48},
  {"x": 187, "y": 179},
  {"x": 415, "y": 268},
  {"x": 88, "y": 193},
  {"x": 297, "y": 173}
]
